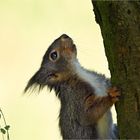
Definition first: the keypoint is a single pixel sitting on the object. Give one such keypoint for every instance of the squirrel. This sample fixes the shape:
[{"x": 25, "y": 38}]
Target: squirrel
[{"x": 85, "y": 96}]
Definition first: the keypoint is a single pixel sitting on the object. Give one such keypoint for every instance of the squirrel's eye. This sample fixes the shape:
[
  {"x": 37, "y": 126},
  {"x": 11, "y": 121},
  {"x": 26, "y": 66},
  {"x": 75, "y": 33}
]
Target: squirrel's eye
[{"x": 54, "y": 55}]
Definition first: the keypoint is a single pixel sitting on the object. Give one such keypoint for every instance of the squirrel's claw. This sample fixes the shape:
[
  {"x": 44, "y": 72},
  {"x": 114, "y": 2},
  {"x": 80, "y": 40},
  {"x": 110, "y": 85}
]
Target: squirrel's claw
[{"x": 114, "y": 93}]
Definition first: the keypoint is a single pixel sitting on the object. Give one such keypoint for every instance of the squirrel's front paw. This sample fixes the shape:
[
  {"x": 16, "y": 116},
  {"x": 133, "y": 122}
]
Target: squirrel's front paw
[{"x": 114, "y": 93}]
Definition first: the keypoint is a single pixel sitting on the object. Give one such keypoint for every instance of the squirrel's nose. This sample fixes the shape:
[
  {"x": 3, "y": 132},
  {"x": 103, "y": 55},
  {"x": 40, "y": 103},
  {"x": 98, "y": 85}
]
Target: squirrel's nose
[
  {"x": 64, "y": 36},
  {"x": 66, "y": 41}
]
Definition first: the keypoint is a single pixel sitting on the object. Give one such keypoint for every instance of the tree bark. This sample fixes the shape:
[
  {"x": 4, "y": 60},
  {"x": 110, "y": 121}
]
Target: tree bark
[{"x": 120, "y": 27}]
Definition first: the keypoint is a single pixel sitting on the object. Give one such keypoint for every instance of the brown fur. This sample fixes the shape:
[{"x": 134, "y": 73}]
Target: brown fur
[{"x": 82, "y": 107}]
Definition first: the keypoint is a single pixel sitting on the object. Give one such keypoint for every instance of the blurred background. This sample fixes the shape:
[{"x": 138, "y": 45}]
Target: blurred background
[{"x": 27, "y": 28}]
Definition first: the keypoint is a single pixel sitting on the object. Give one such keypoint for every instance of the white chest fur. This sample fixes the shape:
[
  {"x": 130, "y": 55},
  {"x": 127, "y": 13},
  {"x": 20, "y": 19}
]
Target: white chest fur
[
  {"x": 91, "y": 78},
  {"x": 100, "y": 86}
]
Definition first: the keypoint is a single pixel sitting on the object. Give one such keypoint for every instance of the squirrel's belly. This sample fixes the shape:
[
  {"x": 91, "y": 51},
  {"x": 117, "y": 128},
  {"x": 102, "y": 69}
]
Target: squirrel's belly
[{"x": 104, "y": 126}]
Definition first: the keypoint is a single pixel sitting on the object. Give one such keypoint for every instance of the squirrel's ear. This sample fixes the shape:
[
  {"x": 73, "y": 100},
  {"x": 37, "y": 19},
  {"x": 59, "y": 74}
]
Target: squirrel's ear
[{"x": 33, "y": 82}]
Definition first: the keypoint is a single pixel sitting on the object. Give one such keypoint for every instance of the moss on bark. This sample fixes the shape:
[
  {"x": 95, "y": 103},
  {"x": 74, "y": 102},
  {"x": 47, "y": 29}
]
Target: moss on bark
[{"x": 120, "y": 27}]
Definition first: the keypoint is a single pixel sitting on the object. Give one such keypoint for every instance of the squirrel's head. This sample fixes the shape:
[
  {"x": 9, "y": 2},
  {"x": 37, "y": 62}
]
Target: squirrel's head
[{"x": 56, "y": 65}]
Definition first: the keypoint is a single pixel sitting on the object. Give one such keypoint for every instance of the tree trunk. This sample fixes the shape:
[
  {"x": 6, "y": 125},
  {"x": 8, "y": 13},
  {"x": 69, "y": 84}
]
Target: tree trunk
[{"x": 120, "y": 27}]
